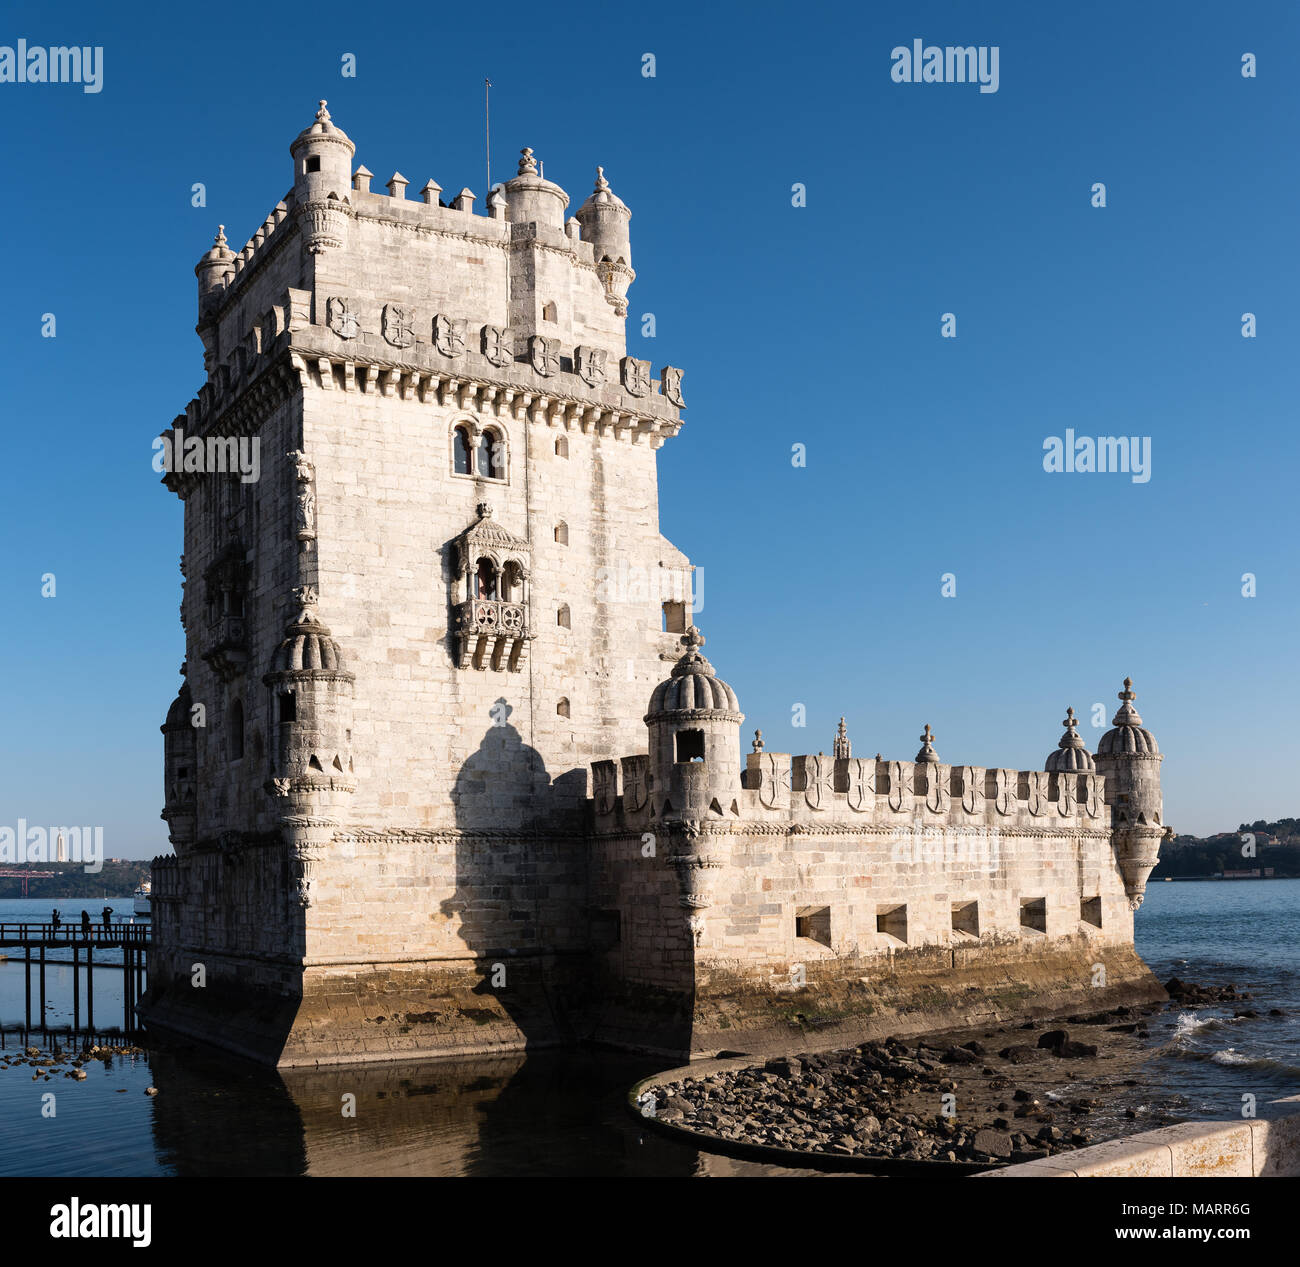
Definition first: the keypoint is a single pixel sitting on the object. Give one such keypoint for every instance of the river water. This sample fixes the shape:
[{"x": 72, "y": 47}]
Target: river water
[{"x": 562, "y": 1113}]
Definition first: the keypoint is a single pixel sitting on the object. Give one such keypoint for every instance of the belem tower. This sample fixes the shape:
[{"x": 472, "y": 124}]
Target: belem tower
[{"x": 436, "y": 786}]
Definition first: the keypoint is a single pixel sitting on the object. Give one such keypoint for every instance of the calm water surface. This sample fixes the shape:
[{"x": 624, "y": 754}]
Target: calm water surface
[{"x": 562, "y": 1113}]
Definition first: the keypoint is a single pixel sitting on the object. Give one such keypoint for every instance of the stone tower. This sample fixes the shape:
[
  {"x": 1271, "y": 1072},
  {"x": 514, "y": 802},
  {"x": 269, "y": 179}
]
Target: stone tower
[{"x": 443, "y": 596}]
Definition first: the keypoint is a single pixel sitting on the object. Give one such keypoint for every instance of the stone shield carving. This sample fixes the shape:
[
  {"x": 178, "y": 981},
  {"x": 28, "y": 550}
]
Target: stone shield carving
[
  {"x": 341, "y": 319},
  {"x": 774, "y": 781},
  {"x": 449, "y": 335},
  {"x": 1037, "y": 799},
  {"x": 1004, "y": 791},
  {"x": 636, "y": 376},
  {"x": 544, "y": 354},
  {"x": 636, "y": 783},
  {"x": 398, "y": 325},
  {"x": 1095, "y": 802},
  {"x": 862, "y": 783},
  {"x": 670, "y": 379},
  {"x": 901, "y": 787},
  {"x": 972, "y": 789},
  {"x": 590, "y": 364},
  {"x": 497, "y": 345},
  {"x": 1065, "y": 794},
  {"x": 605, "y": 786},
  {"x": 938, "y": 791},
  {"x": 816, "y": 775}
]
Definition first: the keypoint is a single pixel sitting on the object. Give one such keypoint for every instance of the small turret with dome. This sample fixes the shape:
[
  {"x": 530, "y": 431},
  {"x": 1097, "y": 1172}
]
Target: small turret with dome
[
  {"x": 533, "y": 199},
  {"x": 311, "y": 720},
  {"x": 180, "y": 768},
  {"x": 1129, "y": 760},
  {"x": 322, "y": 179},
  {"x": 604, "y": 218},
  {"x": 694, "y": 720},
  {"x": 1071, "y": 755}
]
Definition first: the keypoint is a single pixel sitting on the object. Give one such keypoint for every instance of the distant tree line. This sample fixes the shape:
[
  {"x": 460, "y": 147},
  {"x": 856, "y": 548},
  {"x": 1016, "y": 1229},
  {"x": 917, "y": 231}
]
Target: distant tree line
[
  {"x": 117, "y": 879},
  {"x": 1277, "y": 845}
]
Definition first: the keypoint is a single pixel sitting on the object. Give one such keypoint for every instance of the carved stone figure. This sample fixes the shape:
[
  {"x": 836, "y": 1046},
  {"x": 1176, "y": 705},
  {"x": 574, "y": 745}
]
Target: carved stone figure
[{"x": 305, "y": 499}]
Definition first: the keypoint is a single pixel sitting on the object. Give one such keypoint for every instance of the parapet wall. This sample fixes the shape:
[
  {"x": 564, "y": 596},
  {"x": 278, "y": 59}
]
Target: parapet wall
[{"x": 1263, "y": 1147}]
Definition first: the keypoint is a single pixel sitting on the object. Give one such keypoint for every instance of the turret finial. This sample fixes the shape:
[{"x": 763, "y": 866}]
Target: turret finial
[
  {"x": 484, "y": 510},
  {"x": 602, "y": 185},
  {"x": 220, "y": 239},
  {"x": 843, "y": 748},
  {"x": 322, "y": 115},
  {"x": 1128, "y": 693},
  {"x": 527, "y": 163},
  {"x": 758, "y": 741},
  {"x": 927, "y": 752},
  {"x": 692, "y": 639}
]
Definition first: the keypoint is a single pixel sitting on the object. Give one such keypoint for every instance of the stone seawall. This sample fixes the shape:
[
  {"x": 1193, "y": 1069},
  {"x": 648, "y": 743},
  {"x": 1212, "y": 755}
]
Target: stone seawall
[
  {"x": 429, "y": 1008},
  {"x": 1256, "y": 1148},
  {"x": 914, "y": 992}
]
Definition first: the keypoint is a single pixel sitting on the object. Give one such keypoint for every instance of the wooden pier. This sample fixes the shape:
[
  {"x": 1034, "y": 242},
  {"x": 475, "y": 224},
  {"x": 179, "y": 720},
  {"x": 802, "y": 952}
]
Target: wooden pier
[{"x": 132, "y": 939}]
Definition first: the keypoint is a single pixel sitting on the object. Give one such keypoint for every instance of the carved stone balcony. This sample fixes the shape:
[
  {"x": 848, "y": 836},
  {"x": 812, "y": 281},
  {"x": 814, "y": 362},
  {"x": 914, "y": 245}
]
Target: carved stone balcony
[
  {"x": 227, "y": 650},
  {"x": 492, "y": 634}
]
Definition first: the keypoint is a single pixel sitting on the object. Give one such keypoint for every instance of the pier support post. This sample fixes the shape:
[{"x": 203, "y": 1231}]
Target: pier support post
[
  {"x": 90, "y": 988},
  {"x": 76, "y": 987},
  {"x": 42, "y": 989},
  {"x": 27, "y": 979}
]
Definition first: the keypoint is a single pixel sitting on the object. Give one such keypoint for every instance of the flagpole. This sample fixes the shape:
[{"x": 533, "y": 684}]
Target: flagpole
[{"x": 487, "y": 138}]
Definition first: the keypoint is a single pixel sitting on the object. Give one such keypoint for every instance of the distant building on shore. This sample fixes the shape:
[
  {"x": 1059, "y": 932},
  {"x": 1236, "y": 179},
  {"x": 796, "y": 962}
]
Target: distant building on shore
[{"x": 448, "y": 771}]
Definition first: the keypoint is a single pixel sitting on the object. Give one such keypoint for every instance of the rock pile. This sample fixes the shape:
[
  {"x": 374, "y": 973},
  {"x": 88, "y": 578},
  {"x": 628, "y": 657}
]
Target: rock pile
[{"x": 847, "y": 1104}]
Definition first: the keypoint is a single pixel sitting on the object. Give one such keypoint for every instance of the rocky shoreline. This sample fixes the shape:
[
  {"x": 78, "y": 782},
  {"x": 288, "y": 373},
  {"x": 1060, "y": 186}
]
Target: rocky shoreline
[{"x": 1006, "y": 1095}]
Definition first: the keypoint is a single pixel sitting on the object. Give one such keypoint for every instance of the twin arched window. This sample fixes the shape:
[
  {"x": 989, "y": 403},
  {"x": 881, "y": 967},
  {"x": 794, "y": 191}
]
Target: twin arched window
[{"x": 484, "y": 457}]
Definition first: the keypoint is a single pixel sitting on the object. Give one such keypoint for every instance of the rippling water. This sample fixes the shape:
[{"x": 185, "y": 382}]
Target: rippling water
[{"x": 561, "y": 1113}]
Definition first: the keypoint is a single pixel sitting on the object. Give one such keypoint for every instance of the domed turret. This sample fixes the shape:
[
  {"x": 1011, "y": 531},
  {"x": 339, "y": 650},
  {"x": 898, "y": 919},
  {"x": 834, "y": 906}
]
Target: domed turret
[
  {"x": 322, "y": 179},
  {"x": 215, "y": 263},
  {"x": 1129, "y": 760},
  {"x": 180, "y": 765},
  {"x": 533, "y": 199},
  {"x": 604, "y": 219},
  {"x": 1129, "y": 737},
  {"x": 1071, "y": 755},
  {"x": 694, "y": 720},
  {"x": 311, "y": 719}
]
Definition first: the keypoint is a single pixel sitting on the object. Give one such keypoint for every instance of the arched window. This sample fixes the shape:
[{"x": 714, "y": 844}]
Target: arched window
[
  {"x": 561, "y": 446},
  {"x": 562, "y": 617},
  {"x": 485, "y": 580},
  {"x": 562, "y": 708},
  {"x": 288, "y": 707},
  {"x": 491, "y": 455},
  {"x": 512, "y": 583},
  {"x": 562, "y": 533},
  {"x": 236, "y": 731},
  {"x": 550, "y": 313},
  {"x": 462, "y": 451}
]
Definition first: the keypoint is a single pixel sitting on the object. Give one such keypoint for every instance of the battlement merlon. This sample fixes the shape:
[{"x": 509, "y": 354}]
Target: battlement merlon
[
  {"x": 689, "y": 778},
  {"x": 531, "y": 271}
]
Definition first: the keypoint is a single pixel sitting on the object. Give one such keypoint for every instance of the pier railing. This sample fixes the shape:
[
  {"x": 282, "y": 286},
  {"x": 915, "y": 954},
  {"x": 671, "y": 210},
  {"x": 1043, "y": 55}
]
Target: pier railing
[{"x": 33, "y": 933}]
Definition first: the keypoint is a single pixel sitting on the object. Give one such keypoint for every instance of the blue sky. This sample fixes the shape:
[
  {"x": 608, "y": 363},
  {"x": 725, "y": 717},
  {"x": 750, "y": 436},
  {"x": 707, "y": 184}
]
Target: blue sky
[{"x": 817, "y": 325}]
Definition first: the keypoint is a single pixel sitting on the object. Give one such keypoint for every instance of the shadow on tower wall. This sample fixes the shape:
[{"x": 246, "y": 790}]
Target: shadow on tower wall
[{"x": 520, "y": 892}]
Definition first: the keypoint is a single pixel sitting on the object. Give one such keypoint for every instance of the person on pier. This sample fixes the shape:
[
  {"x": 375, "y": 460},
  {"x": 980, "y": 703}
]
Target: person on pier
[
  {"x": 108, "y": 917},
  {"x": 56, "y": 919},
  {"x": 85, "y": 923}
]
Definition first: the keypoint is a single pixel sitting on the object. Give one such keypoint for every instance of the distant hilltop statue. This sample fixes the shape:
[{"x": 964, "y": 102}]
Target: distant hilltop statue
[{"x": 455, "y": 792}]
